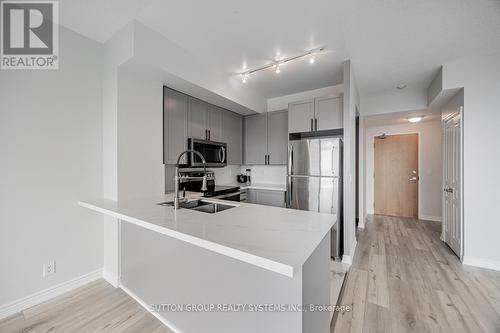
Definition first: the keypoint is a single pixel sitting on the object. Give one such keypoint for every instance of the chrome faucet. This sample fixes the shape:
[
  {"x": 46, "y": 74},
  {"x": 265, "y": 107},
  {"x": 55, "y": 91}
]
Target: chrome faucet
[{"x": 177, "y": 178}]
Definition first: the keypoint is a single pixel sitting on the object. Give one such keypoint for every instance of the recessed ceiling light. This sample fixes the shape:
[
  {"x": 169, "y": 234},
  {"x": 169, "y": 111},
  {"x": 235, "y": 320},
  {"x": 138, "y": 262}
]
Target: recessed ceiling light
[
  {"x": 415, "y": 119},
  {"x": 278, "y": 70},
  {"x": 401, "y": 86},
  {"x": 312, "y": 59}
]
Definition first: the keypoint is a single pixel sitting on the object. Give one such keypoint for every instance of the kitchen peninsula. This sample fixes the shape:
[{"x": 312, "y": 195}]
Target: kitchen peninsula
[{"x": 247, "y": 254}]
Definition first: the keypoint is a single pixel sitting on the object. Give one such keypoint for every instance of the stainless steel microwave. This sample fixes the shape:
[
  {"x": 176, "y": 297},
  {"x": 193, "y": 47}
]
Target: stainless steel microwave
[{"x": 215, "y": 153}]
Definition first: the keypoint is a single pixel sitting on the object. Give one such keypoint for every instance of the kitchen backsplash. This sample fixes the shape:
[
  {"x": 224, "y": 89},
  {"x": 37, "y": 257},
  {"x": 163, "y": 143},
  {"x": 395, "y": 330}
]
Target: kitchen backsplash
[{"x": 267, "y": 174}]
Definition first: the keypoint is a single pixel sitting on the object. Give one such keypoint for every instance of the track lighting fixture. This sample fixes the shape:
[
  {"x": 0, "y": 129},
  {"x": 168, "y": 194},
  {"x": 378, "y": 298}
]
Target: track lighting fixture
[{"x": 278, "y": 63}]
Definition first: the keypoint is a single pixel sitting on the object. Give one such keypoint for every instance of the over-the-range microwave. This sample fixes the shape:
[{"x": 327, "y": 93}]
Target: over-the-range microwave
[{"x": 215, "y": 153}]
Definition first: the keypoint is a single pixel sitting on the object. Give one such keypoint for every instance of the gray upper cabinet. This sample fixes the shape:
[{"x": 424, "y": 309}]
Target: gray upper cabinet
[
  {"x": 256, "y": 139},
  {"x": 317, "y": 114},
  {"x": 277, "y": 142},
  {"x": 215, "y": 123},
  {"x": 232, "y": 135},
  {"x": 175, "y": 120},
  {"x": 198, "y": 119},
  {"x": 188, "y": 117},
  {"x": 329, "y": 113},
  {"x": 301, "y": 116},
  {"x": 266, "y": 138}
]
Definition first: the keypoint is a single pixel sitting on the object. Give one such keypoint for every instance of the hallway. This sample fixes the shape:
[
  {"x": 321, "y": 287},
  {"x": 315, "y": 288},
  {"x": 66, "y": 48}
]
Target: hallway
[{"x": 405, "y": 279}]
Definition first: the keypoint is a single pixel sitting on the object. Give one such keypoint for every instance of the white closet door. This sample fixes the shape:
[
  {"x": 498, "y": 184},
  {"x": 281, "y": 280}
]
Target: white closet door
[{"x": 452, "y": 183}]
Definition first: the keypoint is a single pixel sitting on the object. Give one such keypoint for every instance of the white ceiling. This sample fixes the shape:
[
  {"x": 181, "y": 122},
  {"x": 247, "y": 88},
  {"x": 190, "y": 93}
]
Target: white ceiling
[
  {"x": 398, "y": 118},
  {"x": 389, "y": 41}
]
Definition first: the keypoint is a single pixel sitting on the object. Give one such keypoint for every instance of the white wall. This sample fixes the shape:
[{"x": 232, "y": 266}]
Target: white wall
[
  {"x": 430, "y": 165},
  {"x": 51, "y": 157},
  {"x": 281, "y": 102},
  {"x": 397, "y": 101},
  {"x": 480, "y": 78},
  {"x": 140, "y": 135}
]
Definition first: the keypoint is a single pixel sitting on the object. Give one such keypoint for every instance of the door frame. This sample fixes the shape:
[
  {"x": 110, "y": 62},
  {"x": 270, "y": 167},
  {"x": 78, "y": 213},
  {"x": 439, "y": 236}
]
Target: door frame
[
  {"x": 462, "y": 224},
  {"x": 419, "y": 166}
]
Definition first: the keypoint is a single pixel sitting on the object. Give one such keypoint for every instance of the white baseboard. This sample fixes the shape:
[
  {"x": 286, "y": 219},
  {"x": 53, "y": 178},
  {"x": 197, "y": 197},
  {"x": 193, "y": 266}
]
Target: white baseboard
[
  {"x": 148, "y": 308},
  {"x": 430, "y": 218},
  {"x": 111, "y": 277},
  {"x": 24, "y": 303},
  {"x": 347, "y": 259},
  {"x": 481, "y": 262}
]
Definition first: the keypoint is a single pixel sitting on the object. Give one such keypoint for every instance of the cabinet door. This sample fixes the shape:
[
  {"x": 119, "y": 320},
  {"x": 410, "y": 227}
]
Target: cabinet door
[
  {"x": 267, "y": 197},
  {"x": 255, "y": 139},
  {"x": 215, "y": 123},
  {"x": 175, "y": 125},
  {"x": 197, "y": 119},
  {"x": 232, "y": 135},
  {"x": 300, "y": 116},
  {"x": 277, "y": 137},
  {"x": 329, "y": 113}
]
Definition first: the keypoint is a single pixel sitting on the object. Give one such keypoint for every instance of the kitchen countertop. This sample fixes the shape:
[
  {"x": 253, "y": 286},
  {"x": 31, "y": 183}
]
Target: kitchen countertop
[{"x": 276, "y": 239}]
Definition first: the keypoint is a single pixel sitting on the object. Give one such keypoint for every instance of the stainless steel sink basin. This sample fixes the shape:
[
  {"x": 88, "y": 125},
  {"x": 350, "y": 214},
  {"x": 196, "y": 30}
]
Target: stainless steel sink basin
[
  {"x": 212, "y": 207},
  {"x": 201, "y": 206}
]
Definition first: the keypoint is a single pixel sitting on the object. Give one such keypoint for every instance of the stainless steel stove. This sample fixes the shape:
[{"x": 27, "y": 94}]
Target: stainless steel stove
[{"x": 231, "y": 193}]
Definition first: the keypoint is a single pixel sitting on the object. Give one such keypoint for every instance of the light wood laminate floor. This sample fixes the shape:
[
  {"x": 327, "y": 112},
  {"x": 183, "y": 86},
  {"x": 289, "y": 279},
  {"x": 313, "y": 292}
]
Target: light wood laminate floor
[
  {"x": 96, "y": 307},
  {"x": 405, "y": 279}
]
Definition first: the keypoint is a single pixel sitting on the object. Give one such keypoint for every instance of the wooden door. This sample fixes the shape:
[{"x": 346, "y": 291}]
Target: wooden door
[
  {"x": 301, "y": 116},
  {"x": 452, "y": 180},
  {"x": 396, "y": 175}
]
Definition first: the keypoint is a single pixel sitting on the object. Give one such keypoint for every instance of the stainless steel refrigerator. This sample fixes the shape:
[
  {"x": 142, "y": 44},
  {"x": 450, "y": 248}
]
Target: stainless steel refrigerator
[{"x": 314, "y": 181}]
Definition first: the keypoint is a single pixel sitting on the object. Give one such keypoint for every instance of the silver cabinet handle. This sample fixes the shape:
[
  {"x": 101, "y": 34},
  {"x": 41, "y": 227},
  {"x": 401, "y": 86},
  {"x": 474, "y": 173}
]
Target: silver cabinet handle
[{"x": 333, "y": 154}]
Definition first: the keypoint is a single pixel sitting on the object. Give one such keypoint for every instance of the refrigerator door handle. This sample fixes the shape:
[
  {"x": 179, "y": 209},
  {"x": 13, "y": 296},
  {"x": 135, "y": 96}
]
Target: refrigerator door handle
[
  {"x": 290, "y": 161},
  {"x": 333, "y": 157}
]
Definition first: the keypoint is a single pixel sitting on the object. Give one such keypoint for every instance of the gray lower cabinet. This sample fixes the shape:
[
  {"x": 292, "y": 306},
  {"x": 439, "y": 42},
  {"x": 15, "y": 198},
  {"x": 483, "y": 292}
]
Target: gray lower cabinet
[
  {"x": 255, "y": 139},
  {"x": 232, "y": 135},
  {"x": 266, "y": 138},
  {"x": 266, "y": 197},
  {"x": 175, "y": 125}
]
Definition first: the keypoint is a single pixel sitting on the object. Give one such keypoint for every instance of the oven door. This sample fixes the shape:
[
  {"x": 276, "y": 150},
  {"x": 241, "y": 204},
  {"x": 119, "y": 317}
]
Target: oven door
[{"x": 215, "y": 153}]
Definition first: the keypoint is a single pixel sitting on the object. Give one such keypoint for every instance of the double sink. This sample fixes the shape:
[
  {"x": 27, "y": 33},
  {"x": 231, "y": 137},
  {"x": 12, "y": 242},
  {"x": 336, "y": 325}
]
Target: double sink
[{"x": 201, "y": 206}]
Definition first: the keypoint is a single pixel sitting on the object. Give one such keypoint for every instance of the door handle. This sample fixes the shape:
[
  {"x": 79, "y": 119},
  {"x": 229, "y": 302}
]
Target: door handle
[
  {"x": 223, "y": 159},
  {"x": 414, "y": 178},
  {"x": 315, "y": 124},
  {"x": 312, "y": 127},
  {"x": 448, "y": 189},
  {"x": 290, "y": 161},
  {"x": 209, "y": 135}
]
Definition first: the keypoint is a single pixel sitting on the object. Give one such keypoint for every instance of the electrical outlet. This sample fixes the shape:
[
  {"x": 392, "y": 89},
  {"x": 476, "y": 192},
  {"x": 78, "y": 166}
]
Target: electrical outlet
[{"x": 49, "y": 268}]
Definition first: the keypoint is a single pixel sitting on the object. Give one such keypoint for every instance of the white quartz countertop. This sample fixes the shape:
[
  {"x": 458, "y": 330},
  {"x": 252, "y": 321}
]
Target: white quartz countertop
[{"x": 276, "y": 239}]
